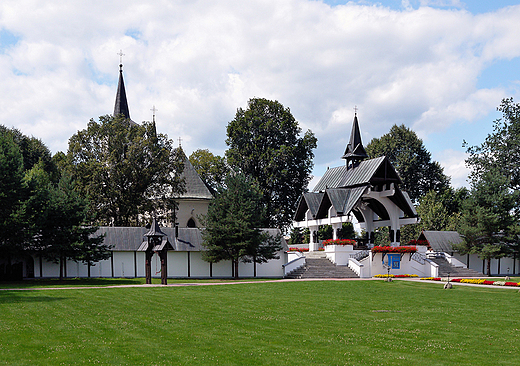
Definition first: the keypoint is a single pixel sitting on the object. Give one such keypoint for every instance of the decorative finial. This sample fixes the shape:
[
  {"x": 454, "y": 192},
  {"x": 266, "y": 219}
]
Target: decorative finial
[
  {"x": 121, "y": 54},
  {"x": 153, "y": 110},
  {"x": 180, "y": 141},
  {"x": 355, "y": 110}
]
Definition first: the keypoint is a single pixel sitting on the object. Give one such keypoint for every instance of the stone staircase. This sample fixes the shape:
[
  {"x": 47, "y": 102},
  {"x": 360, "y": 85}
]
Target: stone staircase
[
  {"x": 318, "y": 266},
  {"x": 445, "y": 267}
]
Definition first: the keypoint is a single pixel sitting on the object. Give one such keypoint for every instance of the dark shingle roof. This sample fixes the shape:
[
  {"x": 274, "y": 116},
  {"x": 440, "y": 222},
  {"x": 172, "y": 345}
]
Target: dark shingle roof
[
  {"x": 308, "y": 201},
  {"x": 342, "y": 177},
  {"x": 121, "y": 104},
  {"x": 441, "y": 241},
  {"x": 195, "y": 187},
  {"x": 131, "y": 238},
  {"x": 355, "y": 149}
]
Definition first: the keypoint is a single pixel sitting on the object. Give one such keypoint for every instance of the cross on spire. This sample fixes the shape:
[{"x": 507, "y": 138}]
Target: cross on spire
[
  {"x": 153, "y": 115},
  {"x": 180, "y": 140},
  {"x": 355, "y": 110},
  {"x": 121, "y": 54}
]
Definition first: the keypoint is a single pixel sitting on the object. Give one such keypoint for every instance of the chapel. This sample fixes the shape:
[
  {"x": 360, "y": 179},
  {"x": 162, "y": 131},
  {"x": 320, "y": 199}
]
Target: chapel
[
  {"x": 194, "y": 202},
  {"x": 366, "y": 190}
]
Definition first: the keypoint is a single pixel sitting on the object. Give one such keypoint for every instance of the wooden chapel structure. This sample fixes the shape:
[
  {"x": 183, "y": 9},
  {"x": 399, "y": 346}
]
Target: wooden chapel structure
[{"x": 367, "y": 189}]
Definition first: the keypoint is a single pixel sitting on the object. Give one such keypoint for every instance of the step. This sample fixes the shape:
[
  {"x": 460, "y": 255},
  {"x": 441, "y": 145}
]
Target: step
[{"x": 320, "y": 267}]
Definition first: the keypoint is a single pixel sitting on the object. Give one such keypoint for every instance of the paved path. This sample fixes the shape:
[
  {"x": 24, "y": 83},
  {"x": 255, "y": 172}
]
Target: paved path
[{"x": 249, "y": 282}]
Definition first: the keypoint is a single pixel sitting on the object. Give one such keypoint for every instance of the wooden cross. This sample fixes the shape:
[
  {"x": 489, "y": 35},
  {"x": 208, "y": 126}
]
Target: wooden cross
[{"x": 121, "y": 54}]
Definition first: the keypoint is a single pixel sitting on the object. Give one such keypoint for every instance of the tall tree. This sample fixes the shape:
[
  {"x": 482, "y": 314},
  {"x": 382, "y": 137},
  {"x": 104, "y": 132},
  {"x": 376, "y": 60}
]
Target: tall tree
[
  {"x": 491, "y": 220},
  {"x": 487, "y": 224},
  {"x": 265, "y": 143},
  {"x": 412, "y": 161},
  {"x": 212, "y": 169},
  {"x": 58, "y": 216},
  {"x": 12, "y": 194},
  {"x": 232, "y": 225},
  {"x": 500, "y": 151},
  {"x": 126, "y": 170}
]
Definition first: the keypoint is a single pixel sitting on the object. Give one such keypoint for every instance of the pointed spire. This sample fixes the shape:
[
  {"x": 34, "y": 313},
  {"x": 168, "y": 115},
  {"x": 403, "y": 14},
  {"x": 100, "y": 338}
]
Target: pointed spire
[
  {"x": 154, "y": 230},
  {"x": 121, "y": 105},
  {"x": 355, "y": 151}
]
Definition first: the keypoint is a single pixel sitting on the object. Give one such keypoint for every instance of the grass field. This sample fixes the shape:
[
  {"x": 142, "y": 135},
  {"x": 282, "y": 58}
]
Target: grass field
[{"x": 280, "y": 323}]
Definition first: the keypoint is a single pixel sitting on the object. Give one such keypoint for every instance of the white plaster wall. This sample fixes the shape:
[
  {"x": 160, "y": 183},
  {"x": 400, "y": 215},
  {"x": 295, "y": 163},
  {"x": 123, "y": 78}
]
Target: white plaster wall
[
  {"x": 177, "y": 264},
  {"x": 198, "y": 267},
  {"x": 475, "y": 263},
  {"x": 407, "y": 266},
  {"x": 273, "y": 268},
  {"x": 191, "y": 208},
  {"x": 222, "y": 269},
  {"x": 246, "y": 269},
  {"x": 124, "y": 264},
  {"x": 140, "y": 264}
]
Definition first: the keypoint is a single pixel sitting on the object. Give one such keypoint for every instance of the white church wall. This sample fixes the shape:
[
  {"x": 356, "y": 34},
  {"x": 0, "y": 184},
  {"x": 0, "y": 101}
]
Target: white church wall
[{"x": 191, "y": 209}]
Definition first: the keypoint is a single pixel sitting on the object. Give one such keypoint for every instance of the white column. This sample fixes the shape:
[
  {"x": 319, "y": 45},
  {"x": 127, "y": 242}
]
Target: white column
[
  {"x": 335, "y": 228},
  {"x": 314, "y": 241}
]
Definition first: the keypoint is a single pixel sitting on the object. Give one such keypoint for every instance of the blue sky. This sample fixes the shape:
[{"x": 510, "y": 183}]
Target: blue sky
[{"x": 441, "y": 67}]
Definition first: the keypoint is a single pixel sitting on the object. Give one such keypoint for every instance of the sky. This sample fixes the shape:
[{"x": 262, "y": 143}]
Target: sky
[{"x": 440, "y": 67}]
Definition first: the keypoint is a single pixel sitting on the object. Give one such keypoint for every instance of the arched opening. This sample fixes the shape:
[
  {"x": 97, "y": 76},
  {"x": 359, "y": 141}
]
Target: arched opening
[{"x": 191, "y": 223}]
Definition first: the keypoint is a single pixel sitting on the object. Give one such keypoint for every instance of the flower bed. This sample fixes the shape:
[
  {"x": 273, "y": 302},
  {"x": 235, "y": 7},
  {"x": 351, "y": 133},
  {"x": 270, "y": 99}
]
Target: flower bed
[
  {"x": 476, "y": 281},
  {"x": 295, "y": 249},
  {"x": 389, "y": 249},
  {"x": 395, "y": 276},
  {"x": 339, "y": 242}
]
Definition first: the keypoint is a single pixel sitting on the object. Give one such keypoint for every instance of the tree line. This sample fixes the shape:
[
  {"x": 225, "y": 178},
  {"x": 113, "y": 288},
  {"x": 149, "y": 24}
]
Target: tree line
[{"x": 117, "y": 173}]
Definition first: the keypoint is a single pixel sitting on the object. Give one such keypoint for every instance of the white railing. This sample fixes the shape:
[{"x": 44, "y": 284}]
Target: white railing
[
  {"x": 419, "y": 257},
  {"x": 358, "y": 268},
  {"x": 434, "y": 268},
  {"x": 360, "y": 255},
  {"x": 293, "y": 265},
  {"x": 454, "y": 261}
]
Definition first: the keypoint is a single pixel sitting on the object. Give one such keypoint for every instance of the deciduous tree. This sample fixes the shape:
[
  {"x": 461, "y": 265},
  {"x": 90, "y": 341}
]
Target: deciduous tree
[
  {"x": 265, "y": 143},
  {"x": 126, "y": 170},
  {"x": 211, "y": 168},
  {"x": 412, "y": 161}
]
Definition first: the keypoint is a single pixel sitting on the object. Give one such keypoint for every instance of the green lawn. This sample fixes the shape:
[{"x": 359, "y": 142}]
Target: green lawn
[
  {"x": 101, "y": 282},
  {"x": 281, "y": 323}
]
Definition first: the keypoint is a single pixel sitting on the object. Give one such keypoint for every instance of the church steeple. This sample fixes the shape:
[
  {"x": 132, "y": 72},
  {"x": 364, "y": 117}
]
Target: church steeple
[
  {"x": 355, "y": 152},
  {"x": 121, "y": 105}
]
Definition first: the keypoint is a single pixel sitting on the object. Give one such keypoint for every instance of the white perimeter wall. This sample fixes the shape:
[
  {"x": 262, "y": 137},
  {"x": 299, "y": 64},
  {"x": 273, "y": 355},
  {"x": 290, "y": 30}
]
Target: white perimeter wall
[
  {"x": 475, "y": 263},
  {"x": 123, "y": 264}
]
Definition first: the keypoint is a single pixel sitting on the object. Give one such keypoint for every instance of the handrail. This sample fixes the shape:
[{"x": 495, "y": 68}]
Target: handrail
[
  {"x": 419, "y": 257},
  {"x": 293, "y": 265},
  {"x": 360, "y": 255}
]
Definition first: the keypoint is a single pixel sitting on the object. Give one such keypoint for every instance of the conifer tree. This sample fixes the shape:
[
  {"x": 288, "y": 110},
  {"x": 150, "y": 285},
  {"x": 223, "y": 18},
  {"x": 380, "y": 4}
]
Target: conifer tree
[{"x": 232, "y": 225}]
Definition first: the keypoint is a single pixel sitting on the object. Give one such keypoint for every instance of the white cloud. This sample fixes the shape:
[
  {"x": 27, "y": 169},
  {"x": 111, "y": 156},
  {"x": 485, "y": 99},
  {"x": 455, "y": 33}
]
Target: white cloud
[{"x": 197, "y": 62}]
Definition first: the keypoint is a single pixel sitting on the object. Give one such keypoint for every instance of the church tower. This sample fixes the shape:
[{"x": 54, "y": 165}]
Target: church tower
[
  {"x": 121, "y": 105},
  {"x": 355, "y": 152}
]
